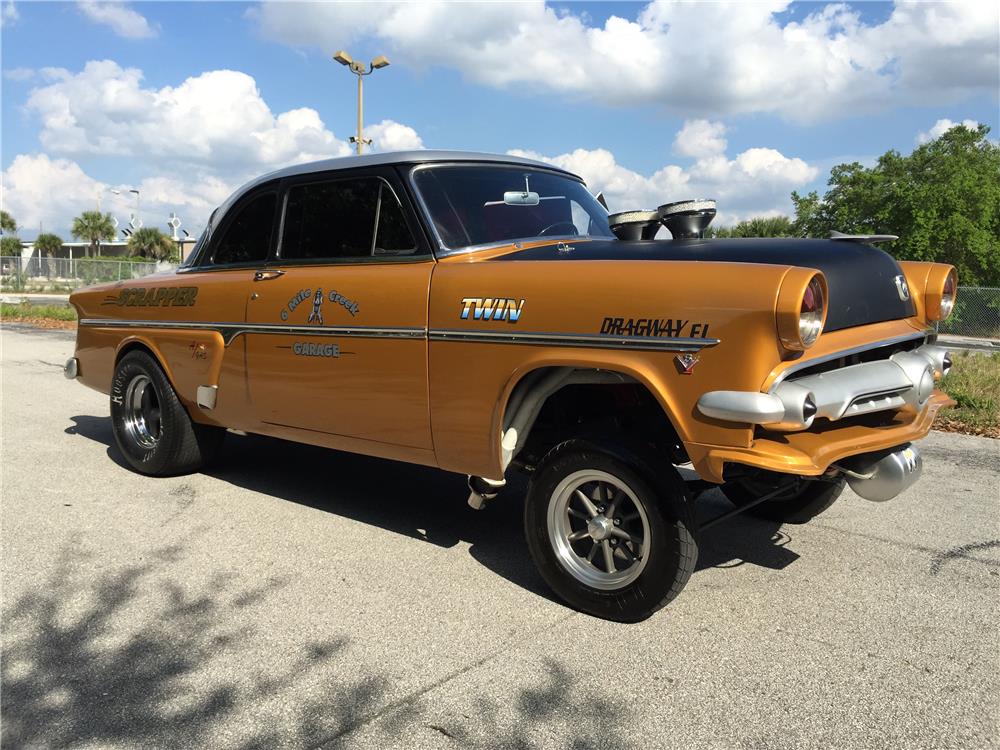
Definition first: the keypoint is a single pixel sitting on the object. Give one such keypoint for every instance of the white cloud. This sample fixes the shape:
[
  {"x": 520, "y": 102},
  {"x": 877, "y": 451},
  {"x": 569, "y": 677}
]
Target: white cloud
[
  {"x": 41, "y": 189},
  {"x": 194, "y": 143},
  {"x": 19, "y": 74},
  {"x": 700, "y": 138},
  {"x": 122, "y": 19},
  {"x": 9, "y": 14},
  {"x": 217, "y": 119},
  {"x": 707, "y": 59},
  {"x": 756, "y": 182},
  {"x": 943, "y": 126},
  {"x": 393, "y": 136}
]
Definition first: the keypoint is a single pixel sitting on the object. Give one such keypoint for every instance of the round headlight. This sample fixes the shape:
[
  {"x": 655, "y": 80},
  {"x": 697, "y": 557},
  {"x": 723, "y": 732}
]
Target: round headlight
[
  {"x": 940, "y": 291},
  {"x": 811, "y": 313},
  {"x": 948, "y": 292}
]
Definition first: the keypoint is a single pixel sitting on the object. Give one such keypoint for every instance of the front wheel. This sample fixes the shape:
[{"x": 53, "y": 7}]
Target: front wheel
[
  {"x": 606, "y": 536},
  {"x": 151, "y": 426}
]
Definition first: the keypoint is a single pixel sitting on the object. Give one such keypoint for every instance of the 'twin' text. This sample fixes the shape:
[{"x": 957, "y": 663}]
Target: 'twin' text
[{"x": 490, "y": 308}]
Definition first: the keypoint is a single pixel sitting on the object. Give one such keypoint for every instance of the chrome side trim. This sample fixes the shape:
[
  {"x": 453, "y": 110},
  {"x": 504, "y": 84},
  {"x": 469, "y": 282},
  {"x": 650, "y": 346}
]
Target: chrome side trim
[
  {"x": 586, "y": 340},
  {"x": 230, "y": 331},
  {"x": 847, "y": 353}
]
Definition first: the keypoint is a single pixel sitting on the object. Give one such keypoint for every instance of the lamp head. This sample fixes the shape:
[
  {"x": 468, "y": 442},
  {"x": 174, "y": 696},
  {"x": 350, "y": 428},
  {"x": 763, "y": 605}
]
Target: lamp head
[
  {"x": 380, "y": 62},
  {"x": 342, "y": 57}
]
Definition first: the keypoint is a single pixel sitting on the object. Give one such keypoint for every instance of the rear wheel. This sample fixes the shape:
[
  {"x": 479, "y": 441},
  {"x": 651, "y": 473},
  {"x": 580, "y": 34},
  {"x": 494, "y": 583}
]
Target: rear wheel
[
  {"x": 151, "y": 426},
  {"x": 606, "y": 536},
  {"x": 800, "y": 500}
]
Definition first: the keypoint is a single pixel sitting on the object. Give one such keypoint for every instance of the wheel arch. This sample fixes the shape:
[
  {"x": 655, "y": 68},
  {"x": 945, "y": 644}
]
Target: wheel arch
[
  {"x": 137, "y": 342},
  {"x": 528, "y": 391}
]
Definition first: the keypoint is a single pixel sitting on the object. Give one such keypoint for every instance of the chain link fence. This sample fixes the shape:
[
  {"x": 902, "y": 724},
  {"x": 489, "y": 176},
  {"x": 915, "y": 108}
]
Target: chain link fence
[
  {"x": 57, "y": 275},
  {"x": 976, "y": 314},
  {"x": 977, "y": 310}
]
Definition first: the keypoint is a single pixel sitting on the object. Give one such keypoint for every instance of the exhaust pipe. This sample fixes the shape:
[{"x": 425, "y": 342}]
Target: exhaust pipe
[{"x": 883, "y": 475}]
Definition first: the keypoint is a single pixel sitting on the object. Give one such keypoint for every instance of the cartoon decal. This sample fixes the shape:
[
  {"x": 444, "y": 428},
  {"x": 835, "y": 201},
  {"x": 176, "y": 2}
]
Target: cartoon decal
[
  {"x": 492, "y": 308},
  {"x": 316, "y": 315},
  {"x": 161, "y": 296},
  {"x": 664, "y": 327}
]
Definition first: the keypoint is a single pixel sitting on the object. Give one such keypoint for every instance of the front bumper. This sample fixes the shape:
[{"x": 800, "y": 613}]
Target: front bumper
[
  {"x": 904, "y": 380},
  {"x": 812, "y": 452}
]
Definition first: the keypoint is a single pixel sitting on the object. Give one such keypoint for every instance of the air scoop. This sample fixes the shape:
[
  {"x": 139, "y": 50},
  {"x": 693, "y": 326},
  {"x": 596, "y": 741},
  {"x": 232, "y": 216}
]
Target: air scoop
[
  {"x": 635, "y": 225},
  {"x": 687, "y": 220}
]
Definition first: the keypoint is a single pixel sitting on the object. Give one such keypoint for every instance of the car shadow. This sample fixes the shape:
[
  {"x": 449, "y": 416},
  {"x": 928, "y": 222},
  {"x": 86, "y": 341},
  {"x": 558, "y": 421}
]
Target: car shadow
[{"x": 430, "y": 505}]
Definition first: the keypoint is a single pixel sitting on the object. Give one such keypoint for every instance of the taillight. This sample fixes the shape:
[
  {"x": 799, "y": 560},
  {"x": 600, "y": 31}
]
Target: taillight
[{"x": 811, "y": 313}]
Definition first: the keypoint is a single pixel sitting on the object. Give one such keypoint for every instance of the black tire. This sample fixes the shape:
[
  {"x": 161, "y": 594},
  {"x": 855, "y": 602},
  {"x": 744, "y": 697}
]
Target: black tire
[
  {"x": 800, "y": 503},
  {"x": 168, "y": 442},
  {"x": 671, "y": 550}
]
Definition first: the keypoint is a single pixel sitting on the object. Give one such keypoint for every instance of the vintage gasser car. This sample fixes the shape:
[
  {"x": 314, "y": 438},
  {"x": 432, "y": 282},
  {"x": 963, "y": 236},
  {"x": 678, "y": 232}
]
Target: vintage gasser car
[{"x": 479, "y": 313}]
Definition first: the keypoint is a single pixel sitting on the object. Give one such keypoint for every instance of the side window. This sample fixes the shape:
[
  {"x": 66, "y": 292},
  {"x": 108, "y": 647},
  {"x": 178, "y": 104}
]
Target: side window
[
  {"x": 248, "y": 236},
  {"x": 392, "y": 236},
  {"x": 344, "y": 219},
  {"x": 330, "y": 220}
]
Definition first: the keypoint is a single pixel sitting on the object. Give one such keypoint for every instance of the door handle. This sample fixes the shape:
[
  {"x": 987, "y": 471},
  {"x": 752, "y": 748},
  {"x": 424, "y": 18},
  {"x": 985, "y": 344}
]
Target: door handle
[{"x": 268, "y": 274}]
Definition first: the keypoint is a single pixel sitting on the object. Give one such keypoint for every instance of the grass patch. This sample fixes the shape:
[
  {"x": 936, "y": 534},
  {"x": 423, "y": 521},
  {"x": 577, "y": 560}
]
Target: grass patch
[
  {"x": 974, "y": 382},
  {"x": 46, "y": 316}
]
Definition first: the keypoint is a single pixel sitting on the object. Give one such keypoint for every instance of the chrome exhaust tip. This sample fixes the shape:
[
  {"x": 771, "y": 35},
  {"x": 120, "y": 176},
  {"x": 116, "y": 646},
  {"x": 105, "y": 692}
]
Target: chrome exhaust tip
[
  {"x": 883, "y": 475},
  {"x": 72, "y": 368}
]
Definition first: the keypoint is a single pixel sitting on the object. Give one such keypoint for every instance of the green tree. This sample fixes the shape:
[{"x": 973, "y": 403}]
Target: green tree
[
  {"x": 10, "y": 246},
  {"x": 150, "y": 242},
  {"x": 7, "y": 223},
  {"x": 48, "y": 243},
  {"x": 760, "y": 226},
  {"x": 93, "y": 226},
  {"x": 943, "y": 200}
]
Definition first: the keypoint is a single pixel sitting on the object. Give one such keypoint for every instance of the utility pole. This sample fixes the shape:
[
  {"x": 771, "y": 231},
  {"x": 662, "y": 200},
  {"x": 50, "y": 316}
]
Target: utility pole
[{"x": 360, "y": 71}]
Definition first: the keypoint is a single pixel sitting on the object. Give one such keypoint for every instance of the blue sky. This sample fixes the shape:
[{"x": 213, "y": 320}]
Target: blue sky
[{"x": 649, "y": 103}]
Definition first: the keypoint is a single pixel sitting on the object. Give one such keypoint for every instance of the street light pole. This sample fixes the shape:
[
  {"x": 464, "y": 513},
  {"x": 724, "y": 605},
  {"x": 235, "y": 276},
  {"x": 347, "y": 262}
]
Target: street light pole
[{"x": 360, "y": 71}]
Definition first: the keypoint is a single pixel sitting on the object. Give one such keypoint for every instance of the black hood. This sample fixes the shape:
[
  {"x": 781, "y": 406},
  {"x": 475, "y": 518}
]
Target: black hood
[{"x": 862, "y": 278}]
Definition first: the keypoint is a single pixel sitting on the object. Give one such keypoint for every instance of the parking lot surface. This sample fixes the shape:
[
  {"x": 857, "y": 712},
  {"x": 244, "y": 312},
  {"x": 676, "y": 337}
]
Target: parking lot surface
[{"x": 298, "y": 597}]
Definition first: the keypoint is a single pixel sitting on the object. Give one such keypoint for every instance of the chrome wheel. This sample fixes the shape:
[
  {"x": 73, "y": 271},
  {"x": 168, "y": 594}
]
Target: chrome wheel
[
  {"x": 598, "y": 529},
  {"x": 141, "y": 417}
]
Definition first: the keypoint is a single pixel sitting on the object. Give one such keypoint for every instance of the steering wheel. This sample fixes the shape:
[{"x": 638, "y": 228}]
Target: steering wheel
[{"x": 550, "y": 227}]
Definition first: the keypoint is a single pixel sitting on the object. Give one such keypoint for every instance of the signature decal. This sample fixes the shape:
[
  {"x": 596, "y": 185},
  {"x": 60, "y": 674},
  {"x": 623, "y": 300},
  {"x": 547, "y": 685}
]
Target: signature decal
[
  {"x": 492, "y": 308},
  {"x": 667, "y": 327},
  {"x": 316, "y": 314},
  {"x": 161, "y": 296}
]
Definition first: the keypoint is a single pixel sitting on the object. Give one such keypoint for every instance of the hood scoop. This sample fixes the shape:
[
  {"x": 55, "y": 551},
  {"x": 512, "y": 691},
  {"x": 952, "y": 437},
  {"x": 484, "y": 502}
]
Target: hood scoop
[{"x": 687, "y": 220}]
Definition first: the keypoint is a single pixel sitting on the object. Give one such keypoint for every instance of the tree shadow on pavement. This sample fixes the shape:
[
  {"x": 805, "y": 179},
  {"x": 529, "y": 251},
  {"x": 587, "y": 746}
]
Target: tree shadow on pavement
[{"x": 131, "y": 656}]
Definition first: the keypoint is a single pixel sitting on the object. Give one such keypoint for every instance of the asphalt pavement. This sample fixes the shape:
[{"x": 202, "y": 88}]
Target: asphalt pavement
[{"x": 297, "y": 597}]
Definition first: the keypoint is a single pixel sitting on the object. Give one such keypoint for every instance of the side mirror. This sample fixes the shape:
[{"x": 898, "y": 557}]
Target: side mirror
[{"x": 520, "y": 198}]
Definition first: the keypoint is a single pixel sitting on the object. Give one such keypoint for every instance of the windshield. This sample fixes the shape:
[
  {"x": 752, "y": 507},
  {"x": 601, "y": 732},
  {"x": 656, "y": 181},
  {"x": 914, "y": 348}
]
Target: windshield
[{"x": 478, "y": 205}]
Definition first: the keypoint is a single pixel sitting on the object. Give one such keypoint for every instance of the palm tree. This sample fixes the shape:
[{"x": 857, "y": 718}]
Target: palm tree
[
  {"x": 760, "y": 226},
  {"x": 93, "y": 226},
  {"x": 7, "y": 223},
  {"x": 150, "y": 242},
  {"x": 48, "y": 243}
]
